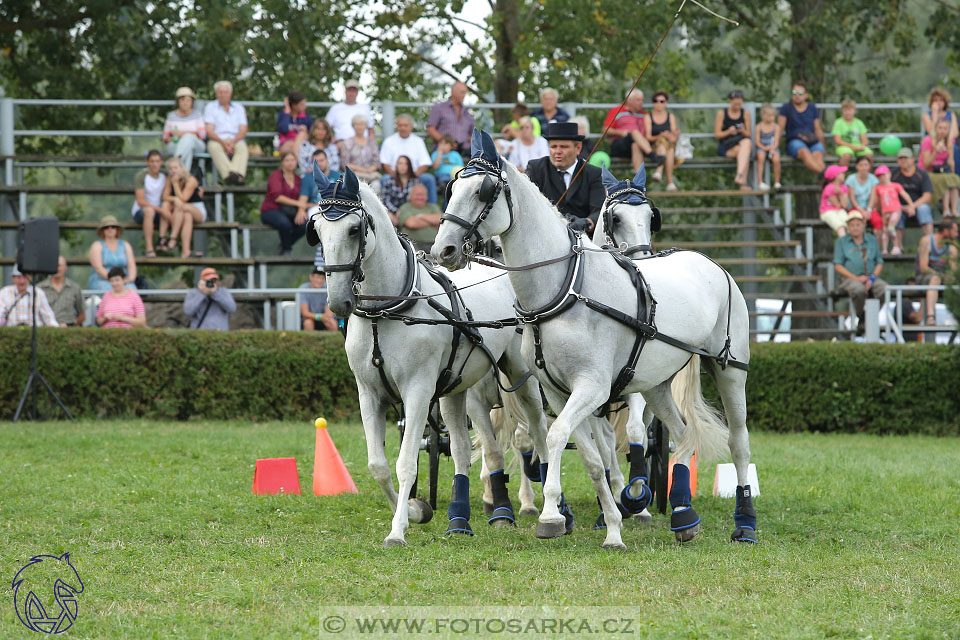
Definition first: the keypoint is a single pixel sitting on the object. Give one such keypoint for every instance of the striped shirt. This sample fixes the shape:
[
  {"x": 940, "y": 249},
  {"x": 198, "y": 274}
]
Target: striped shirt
[
  {"x": 190, "y": 123},
  {"x": 15, "y": 308},
  {"x": 129, "y": 304}
]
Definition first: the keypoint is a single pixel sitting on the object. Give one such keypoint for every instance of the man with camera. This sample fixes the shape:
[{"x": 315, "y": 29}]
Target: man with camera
[{"x": 209, "y": 305}]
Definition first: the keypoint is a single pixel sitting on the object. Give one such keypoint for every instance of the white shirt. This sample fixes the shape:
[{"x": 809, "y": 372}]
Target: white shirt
[
  {"x": 521, "y": 154},
  {"x": 412, "y": 146},
  {"x": 225, "y": 124},
  {"x": 341, "y": 115}
]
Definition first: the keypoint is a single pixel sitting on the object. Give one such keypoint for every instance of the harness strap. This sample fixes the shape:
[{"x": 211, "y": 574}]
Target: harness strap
[{"x": 377, "y": 360}]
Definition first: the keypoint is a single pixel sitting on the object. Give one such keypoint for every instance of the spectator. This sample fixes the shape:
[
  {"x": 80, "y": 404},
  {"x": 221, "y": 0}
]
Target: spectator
[
  {"x": 292, "y": 122},
  {"x": 861, "y": 185},
  {"x": 549, "y": 112},
  {"x": 662, "y": 133},
  {"x": 404, "y": 143},
  {"x": 149, "y": 209},
  {"x": 184, "y": 131},
  {"x": 453, "y": 118},
  {"x": 340, "y": 116},
  {"x": 447, "y": 161},
  {"x": 16, "y": 303},
  {"x": 309, "y": 193},
  {"x": 886, "y": 199},
  {"x": 396, "y": 187},
  {"x": 512, "y": 131},
  {"x": 527, "y": 147},
  {"x": 226, "y": 132},
  {"x": 108, "y": 252},
  {"x": 800, "y": 122},
  {"x": 835, "y": 200},
  {"x": 916, "y": 183},
  {"x": 315, "y": 315},
  {"x": 936, "y": 159},
  {"x": 209, "y": 305},
  {"x": 280, "y": 208},
  {"x": 419, "y": 219},
  {"x": 936, "y": 253},
  {"x": 938, "y": 103},
  {"x": 64, "y": 297},
  {"x": 849, "y": 133},
  {"x": 767, "y": 143},
  {"x": 120, "y": 307},
  {"x": 554, "y": 176},
  {"x": 320, "y": 137},
  {"x": 583, "y": 127},
  {"x": 857, "y": 259},
  {"x": 731, "y": 127},
  {"x": 362, "y": 154},
  {"x": 627, "y": 130},
  {"x": 185, "y": 197}
]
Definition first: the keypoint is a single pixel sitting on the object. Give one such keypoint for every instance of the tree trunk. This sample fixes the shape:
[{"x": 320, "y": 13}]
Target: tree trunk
[
  {"x": 804, "y": 66},
  {"x": 505, "y": 78}
]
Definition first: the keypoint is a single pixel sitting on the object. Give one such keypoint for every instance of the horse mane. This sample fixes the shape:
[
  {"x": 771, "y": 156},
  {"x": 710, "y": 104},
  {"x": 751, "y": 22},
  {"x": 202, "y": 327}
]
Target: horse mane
[{"x": 520, "y": 184}]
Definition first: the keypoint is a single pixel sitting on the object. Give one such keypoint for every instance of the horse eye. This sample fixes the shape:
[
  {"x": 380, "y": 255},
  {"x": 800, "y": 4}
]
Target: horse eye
[
  {"x": 354, "y": 230},
  {"x": 616, "y": 220},
  {"x": 498, "y": 250}
]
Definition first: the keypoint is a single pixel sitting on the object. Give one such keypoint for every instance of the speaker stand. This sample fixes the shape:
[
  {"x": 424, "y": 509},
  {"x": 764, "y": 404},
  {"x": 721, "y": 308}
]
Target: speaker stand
[{"x": 35, "y": 372}]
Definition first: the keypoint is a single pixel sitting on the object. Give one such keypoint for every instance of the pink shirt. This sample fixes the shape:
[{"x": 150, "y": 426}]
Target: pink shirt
[
  {"x": 939, "y": 158},
  {"x": 277, "y": 186},
  {"x": 888, "y": 195},
  {"x": 129, "y": 305},
  {"x": 831, "y": 190}
]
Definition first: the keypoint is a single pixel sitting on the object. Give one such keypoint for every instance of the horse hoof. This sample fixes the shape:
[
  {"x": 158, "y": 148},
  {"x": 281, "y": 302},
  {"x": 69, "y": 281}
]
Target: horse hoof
[
  {"x": 459, "y": 526},
  {"x": 529, "y": 511},
  {"x": 420, "y": 511},
  {"x": 686, "y": 535},
  {"x": 394, "y": 542},
  {"x": 502, "y": 517},
  {"x": 644, "y": 517},
  {"x": 745, "y": 535},
  {"x": 547, "y": 530},
  {"x": 600, "y": 523},
  {"x": 617, "y": 546},
  {"x": 488, "y": 508}
]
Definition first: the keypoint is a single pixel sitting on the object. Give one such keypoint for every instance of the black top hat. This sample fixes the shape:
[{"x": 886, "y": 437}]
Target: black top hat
[{"x": 563, "y": 131}]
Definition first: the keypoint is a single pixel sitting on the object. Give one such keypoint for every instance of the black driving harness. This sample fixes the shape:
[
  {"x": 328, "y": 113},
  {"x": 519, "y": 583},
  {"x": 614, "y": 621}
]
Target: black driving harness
[{"x": 619, "y": 197}]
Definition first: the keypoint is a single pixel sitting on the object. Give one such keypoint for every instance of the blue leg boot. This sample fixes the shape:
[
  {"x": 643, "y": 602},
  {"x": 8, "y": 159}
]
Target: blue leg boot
[
  {"x": 745, "y": 517},
  {"x": 637, "y": 483},
  {"x": 548, "y": 530},
  {"x": 459, "y": 509},
  {"x": 684, "y": 521},
  {"x": 531, "y": 466},
  {"x": 502, "y": 507}
]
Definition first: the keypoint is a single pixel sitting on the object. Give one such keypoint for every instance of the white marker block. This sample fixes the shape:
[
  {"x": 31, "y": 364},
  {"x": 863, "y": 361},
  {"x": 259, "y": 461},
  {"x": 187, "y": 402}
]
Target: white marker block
[{"x": 725, "y": 480}]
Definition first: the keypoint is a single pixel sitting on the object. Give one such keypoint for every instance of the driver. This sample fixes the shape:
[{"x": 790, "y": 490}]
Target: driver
[{"x": 553, "y": 175}]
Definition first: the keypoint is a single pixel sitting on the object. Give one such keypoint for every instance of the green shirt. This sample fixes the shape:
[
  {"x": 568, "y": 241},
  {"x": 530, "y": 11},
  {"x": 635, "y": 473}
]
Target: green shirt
[
  {"x": 849, "y": 132},
  {"x": 426, "y": 234},
  {"x": 849, "y": 254},
  {"x": 67, "y": 303}
]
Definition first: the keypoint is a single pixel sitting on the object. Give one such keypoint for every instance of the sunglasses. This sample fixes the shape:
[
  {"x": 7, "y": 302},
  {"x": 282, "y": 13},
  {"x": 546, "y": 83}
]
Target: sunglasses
[
  {"x": 659, "y": 100},
  {"x": 797, "y": 92},
  {"x": 111, "y": 226}
]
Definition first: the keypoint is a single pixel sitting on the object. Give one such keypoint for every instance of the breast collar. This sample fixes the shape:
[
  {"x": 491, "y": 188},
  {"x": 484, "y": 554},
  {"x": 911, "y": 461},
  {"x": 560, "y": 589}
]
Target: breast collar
[{"x": 494, "y": 181}]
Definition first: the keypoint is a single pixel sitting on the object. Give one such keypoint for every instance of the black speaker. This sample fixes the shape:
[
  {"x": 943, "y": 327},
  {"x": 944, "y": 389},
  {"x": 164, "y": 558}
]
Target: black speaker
[{"x": 39, "y": 248}]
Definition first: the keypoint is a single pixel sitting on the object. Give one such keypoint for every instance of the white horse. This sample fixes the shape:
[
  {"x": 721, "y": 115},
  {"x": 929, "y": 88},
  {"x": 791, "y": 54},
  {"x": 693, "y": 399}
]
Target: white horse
[
  {"x": 586, "y": 317},
  {"x": 366, "y": 259}
]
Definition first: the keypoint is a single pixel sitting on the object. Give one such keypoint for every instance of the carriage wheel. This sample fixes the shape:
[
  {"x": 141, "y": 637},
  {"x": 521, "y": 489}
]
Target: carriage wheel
[{"x": 659, "y": 453}]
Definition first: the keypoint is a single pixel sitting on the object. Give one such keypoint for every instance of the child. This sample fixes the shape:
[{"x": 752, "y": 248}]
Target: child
[
  {"x": 446, "y": 161},
  {"x": 849, "y": 133},
  {"x": 768, "y": 144},
  {"x": 885, "y": 199},
  {"x": 835, "y": 200}
]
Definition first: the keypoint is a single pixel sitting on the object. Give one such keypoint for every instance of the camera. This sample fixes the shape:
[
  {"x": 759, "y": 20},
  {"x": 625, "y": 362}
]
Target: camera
[{"x": 211, "y": 283}]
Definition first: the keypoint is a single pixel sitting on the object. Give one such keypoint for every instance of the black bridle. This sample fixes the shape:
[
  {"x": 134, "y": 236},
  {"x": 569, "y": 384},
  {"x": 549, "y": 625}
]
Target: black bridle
[
  {"x": 494, "y": 182},
  {"x": 333, "y": 209},
  {"x": 620, "y": 197}
]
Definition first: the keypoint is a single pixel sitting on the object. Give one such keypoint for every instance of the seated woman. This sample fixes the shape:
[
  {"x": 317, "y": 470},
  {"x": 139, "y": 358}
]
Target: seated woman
[
  {"x": 662, "y": 133},
  {"x": 185, "y": 195},
  {"x": 512, "y": 131},
  {"x": 291, "y": 121},
  {"x": 362, "y": 154},
  {"x": 528, "y": 147},
  {"x": 184, "y": 130},
  {"x": 280, "y": 206},
  {"x": 938, "y": 106},
  {"x": 120, "y": 307},
  {"x": 731, "y": 128},
  {"x": 861, "y": 185},
  {"x": 320, "y": 137},
  {"x": 396, "y": 188},
  {"x": 936, "y": 159},
  {"x": 108, "y": 252}
]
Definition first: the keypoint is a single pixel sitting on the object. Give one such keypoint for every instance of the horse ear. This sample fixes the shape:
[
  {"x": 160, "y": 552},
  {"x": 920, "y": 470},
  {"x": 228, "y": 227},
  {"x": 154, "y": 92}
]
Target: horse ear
[
  {"x": 489, "y": 148},
  {"x": 351, "y": 185},
  {"x": 476, "y": 143},
  {"x": 640, "y": 180},
  {"x": 322, "y": 182},
  {"x": 609, "y": 181}
]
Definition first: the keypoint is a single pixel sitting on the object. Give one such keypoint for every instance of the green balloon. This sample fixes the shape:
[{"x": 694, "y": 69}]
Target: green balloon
[
  {"x": 600, "y": 159},
  {"x": 890, "y": 145}
]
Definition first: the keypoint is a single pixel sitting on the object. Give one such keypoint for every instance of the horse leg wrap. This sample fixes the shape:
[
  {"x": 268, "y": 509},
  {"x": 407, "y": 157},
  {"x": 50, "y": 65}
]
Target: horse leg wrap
[
  {"x": 502, "y": 507},
  {"x": 531, "y": 466},
  {"x": 543, "y": 471},
  {"x": 629, "y": 502},
  {"x": 745, "y": 517},
  {"x": 567, "y": 513},
  {"x": 682, "y": 516},
  {"x": 459, "y": 509}
]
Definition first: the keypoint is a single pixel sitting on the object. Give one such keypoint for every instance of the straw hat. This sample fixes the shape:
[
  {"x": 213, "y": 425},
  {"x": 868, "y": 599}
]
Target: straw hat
[
  {"x": 109, "y": 221},
  {"x": 185, "y": 91}
]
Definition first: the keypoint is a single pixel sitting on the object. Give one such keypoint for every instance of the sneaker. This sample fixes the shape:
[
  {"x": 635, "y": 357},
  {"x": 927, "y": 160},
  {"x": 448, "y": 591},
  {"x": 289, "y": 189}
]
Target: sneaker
[
  {"x": 657, "y": 176},
  {"x": 763, "y": 186},
  {"x": 776, "y": 185},
  {"x": 231, "y": 178},
  {"x": 896, "y": 251},
  {"x": 671, "y": 186}
]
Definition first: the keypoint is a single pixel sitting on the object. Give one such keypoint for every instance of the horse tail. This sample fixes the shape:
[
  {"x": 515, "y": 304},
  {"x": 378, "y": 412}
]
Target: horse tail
[
  {"x": 706, "y": 433},
  {"x": 618, "y": 416}
]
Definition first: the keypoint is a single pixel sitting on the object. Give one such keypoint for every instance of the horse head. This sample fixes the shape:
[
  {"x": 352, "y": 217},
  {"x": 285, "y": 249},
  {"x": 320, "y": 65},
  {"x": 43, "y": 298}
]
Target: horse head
[
  {"x": 474, "y": 209},
  {"x": 628, "y": 218}
]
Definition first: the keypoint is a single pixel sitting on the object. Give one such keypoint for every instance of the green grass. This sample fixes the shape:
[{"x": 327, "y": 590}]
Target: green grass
[{"x": 859, "y": 539}]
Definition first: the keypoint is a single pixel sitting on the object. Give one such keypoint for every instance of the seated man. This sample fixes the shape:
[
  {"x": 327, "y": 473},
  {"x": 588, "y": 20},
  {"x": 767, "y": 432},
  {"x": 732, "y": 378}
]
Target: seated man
[
  {"x": 64, "y": 296},
  {"x": 628, "y": 130},
  {"x": 308, "y": 186},
  {"x": 404, "y": 143},
  {"x": 209, "y": 305},
  {"x": 419, "y": 219},
  {"x": 858, "y": 262},
  {"x": 16, "y": 304},
  {"x": 917, "y": 184},
  {"x": 226, "y": 129},
  {"x": 315, "y": 315},
  {"x": 549, "y": 111},
  {"x": 149, "y": 209},
  {"x": 936, "y": 254},
  {"x": 553, "y": 175}
]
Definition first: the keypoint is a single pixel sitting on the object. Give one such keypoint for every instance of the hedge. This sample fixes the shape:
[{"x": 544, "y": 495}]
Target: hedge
[{"x": 264, "y": 375}]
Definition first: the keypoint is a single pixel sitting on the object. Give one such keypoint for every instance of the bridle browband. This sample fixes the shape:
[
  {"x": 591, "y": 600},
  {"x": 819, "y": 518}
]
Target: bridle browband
[
  {"x": 621, "y": 197},
  {"x": 494, "y": 181}
]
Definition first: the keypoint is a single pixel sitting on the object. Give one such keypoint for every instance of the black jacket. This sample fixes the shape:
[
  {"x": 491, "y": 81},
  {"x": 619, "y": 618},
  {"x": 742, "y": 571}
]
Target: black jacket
[{"x": 586, "y": 194}]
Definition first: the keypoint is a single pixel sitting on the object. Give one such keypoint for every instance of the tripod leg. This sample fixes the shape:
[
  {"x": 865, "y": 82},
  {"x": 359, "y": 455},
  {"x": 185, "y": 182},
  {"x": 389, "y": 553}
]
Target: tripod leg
[
  {"x": 54, "y": 395},
  {"x": 23, "y": 398}
]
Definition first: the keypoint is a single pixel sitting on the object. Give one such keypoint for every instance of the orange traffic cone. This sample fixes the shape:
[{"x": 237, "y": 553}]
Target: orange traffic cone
[
  {"x": 693, "y": 475},
  {"x": 330, "y": 475}
]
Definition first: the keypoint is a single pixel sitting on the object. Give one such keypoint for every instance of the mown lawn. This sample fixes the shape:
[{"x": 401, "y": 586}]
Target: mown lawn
[{"x": 859, "y": 539}]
